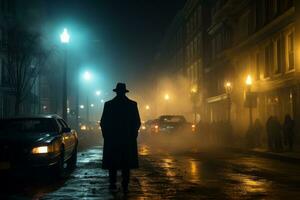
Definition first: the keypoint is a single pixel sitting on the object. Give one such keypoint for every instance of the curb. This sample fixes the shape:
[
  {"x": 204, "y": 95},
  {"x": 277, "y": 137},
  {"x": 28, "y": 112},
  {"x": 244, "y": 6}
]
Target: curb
[{"x": 271, "y": 155}]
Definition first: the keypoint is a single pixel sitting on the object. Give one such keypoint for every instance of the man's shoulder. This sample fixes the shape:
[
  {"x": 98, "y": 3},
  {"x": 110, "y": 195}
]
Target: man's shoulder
[
  {"x": 108, "y": 102},
  {"x": 132, "y": 102}
]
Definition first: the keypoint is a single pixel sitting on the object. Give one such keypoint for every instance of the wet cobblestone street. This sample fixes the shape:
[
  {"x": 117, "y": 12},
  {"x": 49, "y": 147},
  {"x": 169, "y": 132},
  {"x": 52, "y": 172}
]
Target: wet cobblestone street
[{"x": 200, "y": 175}]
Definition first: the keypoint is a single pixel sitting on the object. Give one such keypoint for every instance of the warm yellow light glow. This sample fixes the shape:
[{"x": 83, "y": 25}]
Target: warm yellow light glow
[
  {"x": 83, "y": 127},
  {"x": 40, "y": 150},
  {"x": 193, "y": 128},
  {"x": 228, "y": 84},
  {"x": 147, "y": 107},
  {"x": 143, "y": 127},
  {"x": 249, "y": 80},
  {"x": 167, "y": 97},
  {"x": 194, "y": 89}
]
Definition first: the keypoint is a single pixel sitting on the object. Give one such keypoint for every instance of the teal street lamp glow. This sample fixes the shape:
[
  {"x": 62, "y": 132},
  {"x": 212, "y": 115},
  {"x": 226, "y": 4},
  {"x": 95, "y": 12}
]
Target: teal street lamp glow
[
  {"x": 87, "y": 76},
  {"x": 92, "y": 105},
  {"x": 65, "y": 37},
  {"x": 81, "y": 106},
  {"x": 98, "y": 93},
  {"x": 102, "y": 101}
]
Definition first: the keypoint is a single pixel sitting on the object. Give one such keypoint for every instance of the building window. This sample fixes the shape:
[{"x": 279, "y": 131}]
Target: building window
[
  {"x": 290, "y": 51},
  {"x": 268, "y": 60},
  {"x": 278, "y": 56}
]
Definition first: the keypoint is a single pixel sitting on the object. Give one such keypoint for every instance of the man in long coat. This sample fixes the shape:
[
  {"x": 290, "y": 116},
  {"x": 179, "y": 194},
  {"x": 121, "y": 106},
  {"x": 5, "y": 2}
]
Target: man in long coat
[{"x": 120, "y": 123}]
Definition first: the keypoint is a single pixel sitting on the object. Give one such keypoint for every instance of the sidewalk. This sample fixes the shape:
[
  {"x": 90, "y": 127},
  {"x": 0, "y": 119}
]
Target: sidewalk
[{"x": 292, "y": 157}]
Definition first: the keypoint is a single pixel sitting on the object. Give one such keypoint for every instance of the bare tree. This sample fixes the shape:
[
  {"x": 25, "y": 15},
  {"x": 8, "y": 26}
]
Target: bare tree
[{"x": 25, "y": 59}]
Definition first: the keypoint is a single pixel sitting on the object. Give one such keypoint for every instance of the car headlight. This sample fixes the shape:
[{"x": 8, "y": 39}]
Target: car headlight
[
  {"x": 40, "y": 150},
  {"x": 47, "y": 148}
]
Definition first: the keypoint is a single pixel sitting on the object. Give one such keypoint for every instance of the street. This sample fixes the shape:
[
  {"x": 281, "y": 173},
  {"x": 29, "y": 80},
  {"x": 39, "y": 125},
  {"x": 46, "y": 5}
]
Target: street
[{"x": 197, "y": 174}]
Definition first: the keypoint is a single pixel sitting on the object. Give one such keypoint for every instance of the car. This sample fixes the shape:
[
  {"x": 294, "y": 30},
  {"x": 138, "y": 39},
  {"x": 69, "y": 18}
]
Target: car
[
  {"x": 151, "y": 126},
  {"x": 173, "y": 124},
  {"x": 33, "y": 142}
]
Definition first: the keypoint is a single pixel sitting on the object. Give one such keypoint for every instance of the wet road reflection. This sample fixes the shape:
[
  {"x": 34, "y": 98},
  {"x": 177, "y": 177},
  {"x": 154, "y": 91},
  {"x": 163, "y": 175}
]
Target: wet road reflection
[{"x": 164, "y": 174}]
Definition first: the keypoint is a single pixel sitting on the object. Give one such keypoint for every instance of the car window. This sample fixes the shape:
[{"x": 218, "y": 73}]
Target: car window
[
  {"x": 30, "y": 125},
  {"x": 172, "y": 119},
  {"x": 61, "y": 123},
  {"x": 64, "y": 123}
]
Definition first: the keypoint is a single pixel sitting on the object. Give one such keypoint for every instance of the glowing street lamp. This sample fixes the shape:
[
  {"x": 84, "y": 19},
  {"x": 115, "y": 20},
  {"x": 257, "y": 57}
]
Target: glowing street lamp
[
  {"x": 81, "y": 106},
  {"x": 65, "y": 39},
  {"x": 228, "y": 88},
  {"x": 98, "y": 93},
  {"x": 249, "y": 97},
  {"x": 147, "y": 107},
  {"x": 167, "y": 97},
  {"x": 92, "y": 105},
  {"x": 65, "y": 36},
  {"x": 87, "y": 76},
  {"x": 249, "y": 80}
]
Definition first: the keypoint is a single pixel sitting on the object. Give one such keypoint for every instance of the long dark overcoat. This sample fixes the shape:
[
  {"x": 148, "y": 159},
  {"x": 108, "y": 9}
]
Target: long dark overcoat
[{"x": 120, "y": 123}]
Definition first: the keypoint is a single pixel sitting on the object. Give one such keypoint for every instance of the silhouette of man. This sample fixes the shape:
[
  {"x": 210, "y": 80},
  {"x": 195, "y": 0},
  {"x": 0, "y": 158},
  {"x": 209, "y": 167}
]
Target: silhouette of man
[{"x": 120, "y": 123}]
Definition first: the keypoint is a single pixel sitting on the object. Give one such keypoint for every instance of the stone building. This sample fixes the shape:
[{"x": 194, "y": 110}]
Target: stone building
[
  {"x": 256, "y": 39},
  {"x": 184, "y": 50}
]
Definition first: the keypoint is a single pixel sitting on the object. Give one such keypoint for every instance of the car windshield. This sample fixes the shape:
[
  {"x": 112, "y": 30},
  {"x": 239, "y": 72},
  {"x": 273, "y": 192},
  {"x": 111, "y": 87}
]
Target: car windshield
[
  {"x": 26, "y": 125},
  {"x": 172, "y": 119}
]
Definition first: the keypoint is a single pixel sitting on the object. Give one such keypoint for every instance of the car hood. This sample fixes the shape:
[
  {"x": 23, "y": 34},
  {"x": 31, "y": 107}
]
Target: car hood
[{"x": 26, "y": 138}]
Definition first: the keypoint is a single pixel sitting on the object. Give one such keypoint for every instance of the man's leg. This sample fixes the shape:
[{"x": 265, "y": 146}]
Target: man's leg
[
  {"x": 112, "y": 178},
  {"x": 125, "y": 179}
]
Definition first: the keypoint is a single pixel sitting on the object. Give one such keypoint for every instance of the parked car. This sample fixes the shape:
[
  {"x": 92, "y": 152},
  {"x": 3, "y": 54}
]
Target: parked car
[
  {"x": 37, "y": 142},
  {"x": 173, "y": 123}
]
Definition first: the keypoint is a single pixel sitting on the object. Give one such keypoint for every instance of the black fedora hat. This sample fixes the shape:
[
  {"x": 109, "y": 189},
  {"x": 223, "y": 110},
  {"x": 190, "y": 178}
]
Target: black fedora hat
[{"x": 121, "y": 87}]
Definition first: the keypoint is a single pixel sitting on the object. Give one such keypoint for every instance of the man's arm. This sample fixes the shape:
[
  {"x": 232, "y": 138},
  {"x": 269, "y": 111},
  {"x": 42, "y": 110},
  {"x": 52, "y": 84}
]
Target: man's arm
[
  {"x": 137, "y": 119},
  {"x": 104, "y": 120}
]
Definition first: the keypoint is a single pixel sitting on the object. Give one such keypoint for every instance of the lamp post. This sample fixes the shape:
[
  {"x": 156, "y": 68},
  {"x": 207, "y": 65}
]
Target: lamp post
[
  {"x": 228, "y": 88},
  {"x": 87, "y": 76},
  {"x": 194, "y": 102},
  {"x": 167, "y": 99},
  {"x": 249, "y": 98},
  {"x": 65, "y": 39}
]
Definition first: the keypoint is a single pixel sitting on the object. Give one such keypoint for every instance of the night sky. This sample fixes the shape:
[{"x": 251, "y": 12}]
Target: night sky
[{"x": 120, "y": 38}]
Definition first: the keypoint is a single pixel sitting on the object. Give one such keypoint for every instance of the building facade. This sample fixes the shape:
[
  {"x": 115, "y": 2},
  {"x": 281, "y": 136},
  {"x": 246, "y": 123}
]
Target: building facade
[
  {"x": 184, "y": 51},
  {"x": 227, "y": 42},
  {"x": 256, "y": 39},
  {"x": 29, "y": 13}
]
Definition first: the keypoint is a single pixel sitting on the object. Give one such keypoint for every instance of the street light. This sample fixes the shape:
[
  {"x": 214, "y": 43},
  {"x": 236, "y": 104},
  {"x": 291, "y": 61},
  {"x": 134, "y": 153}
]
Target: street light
[
  {"x": 98, "y": 93},
  {"x": 65, "y": 39},
  {"x": 81, "y": 106},
  {"x": 87, "y": 76},
  {"x": 167, "y": 97},
  {"x": 147, "y": 107},
  {"x": 194, "y": 98},
  {"x": 228, "y": 88},
  {"x": 249, "y": 98},
  {"x": 64, "y": 36}
]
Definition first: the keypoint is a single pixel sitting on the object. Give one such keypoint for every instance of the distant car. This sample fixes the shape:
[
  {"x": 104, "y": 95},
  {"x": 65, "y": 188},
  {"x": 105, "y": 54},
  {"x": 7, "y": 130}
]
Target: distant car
[
  {"x": 173, "y": 124},
  {"x": 151, "y": 126},
  {"x": 36, "y": 142}
]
